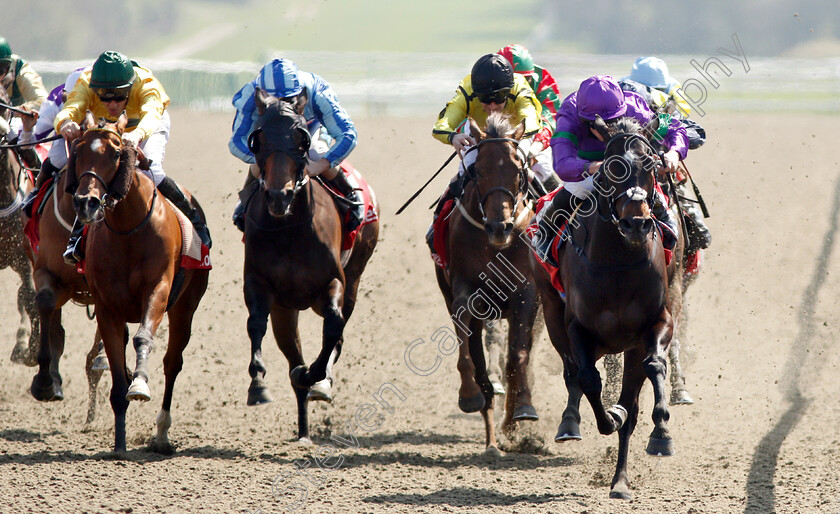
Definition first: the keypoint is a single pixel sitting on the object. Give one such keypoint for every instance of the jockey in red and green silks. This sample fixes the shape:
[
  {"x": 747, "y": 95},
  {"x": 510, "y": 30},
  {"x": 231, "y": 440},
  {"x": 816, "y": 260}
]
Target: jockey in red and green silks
[{"x": 547, "y": 93}]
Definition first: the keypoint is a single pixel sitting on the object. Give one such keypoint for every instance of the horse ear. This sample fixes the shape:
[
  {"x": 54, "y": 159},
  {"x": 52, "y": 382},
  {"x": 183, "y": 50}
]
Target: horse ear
[
  {"x": 601, "y": 128},
  {"x": 476, "y": 132},
  {"x": 122, "y": 121},
  {"x": 652, "y": 126},
  {"x": 300, "y": 101},
  {"x": 519, "y": 132},
  {"x": 90, "y": 120},
  {"x": 260, "y": 96}
]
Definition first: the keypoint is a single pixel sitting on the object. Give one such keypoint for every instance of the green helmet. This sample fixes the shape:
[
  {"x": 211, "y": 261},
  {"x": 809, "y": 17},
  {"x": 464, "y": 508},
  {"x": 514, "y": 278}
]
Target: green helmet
[
  {"x": 112, "y": 70},
  {"x": 5, "y": 50},
  {"x": 520, "y": 58}
]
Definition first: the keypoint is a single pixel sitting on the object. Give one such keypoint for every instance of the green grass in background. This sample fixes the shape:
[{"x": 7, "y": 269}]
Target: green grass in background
[{"x": 265, "y": 26}]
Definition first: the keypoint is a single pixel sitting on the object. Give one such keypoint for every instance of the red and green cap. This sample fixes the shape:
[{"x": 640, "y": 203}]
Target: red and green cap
[{"x": 520, "y": 58}]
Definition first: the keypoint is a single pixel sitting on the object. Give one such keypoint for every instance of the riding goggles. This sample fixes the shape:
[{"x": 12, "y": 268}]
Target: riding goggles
[
  {"x": 112, "y": 94},
  {"x": 496, "y": 97},
  {"x": 5, "y": 66}
]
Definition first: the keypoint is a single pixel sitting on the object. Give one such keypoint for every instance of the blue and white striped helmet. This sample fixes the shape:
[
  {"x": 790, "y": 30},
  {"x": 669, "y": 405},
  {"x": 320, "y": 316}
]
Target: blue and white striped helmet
[{"x": 280, "y": 78}]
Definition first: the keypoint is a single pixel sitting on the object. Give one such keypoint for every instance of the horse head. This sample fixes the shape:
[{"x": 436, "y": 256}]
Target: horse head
[
  {"x": 500, "y": 176},
  {"x": 280, "y": 143},
  {"x": 627, "y": 179},
  {"x": 100, "y": 170}
]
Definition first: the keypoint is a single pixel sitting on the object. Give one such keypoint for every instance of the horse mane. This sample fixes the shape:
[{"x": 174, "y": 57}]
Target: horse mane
[
  {"x": 125, "y": 172},
  {"x": 626, "y": 125},
  {"x": 498, "y": 125}
]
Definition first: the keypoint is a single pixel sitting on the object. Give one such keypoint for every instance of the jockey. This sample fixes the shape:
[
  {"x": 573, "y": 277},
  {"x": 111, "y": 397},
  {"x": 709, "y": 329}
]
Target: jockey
[
  {"x": 45, "y": 117},
  {"x": 578, "y": 154},
  {"x": 546, "y": 90},
  {"x": 332, "y": 130},
  {"x": 650, "y": 78},
  {"x": 490, "y": 87},
  {"x": 115, "y": 84},
  {"x": 23, "y": 84}
]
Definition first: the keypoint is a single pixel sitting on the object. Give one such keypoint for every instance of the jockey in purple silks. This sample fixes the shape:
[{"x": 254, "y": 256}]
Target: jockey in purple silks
[{"x": 579, "y": 152}]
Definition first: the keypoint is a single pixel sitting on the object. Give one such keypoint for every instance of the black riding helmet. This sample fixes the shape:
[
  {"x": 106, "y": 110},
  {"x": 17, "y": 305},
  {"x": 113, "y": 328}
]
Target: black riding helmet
[{"x": 491, "y": 76}]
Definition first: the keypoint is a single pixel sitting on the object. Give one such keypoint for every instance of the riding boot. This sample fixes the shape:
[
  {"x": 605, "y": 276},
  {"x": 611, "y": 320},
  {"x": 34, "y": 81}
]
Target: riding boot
[
  {"x": 46, "y": 171},
  {"x": 666, "y": 221},
  {"x": 698, "y": 233},
  {"x": 453, "y": 190},
  {"x": 357, "y": 209},
  {"x": 552, "y": 217},
  {"x": 241, "y": 207},
  {"x": 75, "y": 252},
  {"x": 169, "y": 189}
]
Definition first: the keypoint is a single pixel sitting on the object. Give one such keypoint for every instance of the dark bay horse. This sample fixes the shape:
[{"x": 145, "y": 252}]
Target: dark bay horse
[
  {"x": 293, "y": 258},
  {"x": 489, "y": 275},
  {"x": 13, "y": 186},
  {"x": 133, "y": 267},
  {"x": 618, "y": 297}
]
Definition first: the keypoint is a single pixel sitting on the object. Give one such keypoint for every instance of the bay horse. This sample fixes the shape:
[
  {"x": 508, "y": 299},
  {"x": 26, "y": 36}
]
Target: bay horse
[
  {"x": 13, "y": 186},
  {"x": 488, "y": 276},
  {"x": 132, "y": 267},
  {"x": 619, "y": 297},
  {"x": 293, "y": 258}
]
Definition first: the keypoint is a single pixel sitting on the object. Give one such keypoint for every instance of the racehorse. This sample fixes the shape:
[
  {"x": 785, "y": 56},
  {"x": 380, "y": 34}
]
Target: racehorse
[
  {"x": 293, "y": 258},
  {"x": 132, "y": 266},
  {"x": 488, "y": 276},
  {"x": 56, "y": 283},
  {"x": 13, "y": 186},
  {"x": 619, "y": 296}
]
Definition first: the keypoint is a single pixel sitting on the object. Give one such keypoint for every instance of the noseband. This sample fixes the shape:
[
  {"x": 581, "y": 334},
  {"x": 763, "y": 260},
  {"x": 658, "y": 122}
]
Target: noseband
[
  {"x": 634, "y": 192},
  {"x": 523, "y": 178},
  {"x": 281, "y": 140}
]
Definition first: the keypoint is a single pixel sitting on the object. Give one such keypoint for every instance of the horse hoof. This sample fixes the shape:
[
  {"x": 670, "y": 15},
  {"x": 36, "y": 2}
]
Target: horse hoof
[
  {"x": 474, "y": 404},
  {"x": 48, "y": 393},
  {"x": 492, "y": 452},
  {"x": 100, "y": 362},
  {"x": 305, "y": 441},
  {"x": 300, "y": 377},
  {"x": 321, "y": 391},
  {"x": 681, "y": 397},
  {"x": 660, "y": 447},
  {"x": 498, "y": 388},
  {"x": 568, "y": 431},
  {"x": 525, "y": 413},
  {"x": 138, "y": 390},
  {"x": 619, "y": 414},
  {"x": 620, "y": 492},
  {"x": 258, "y": 395}
]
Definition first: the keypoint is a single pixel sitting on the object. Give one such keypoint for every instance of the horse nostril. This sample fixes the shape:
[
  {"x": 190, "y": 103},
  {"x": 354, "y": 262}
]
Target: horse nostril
[
  {"x": 93, "y": 203},
  {"x": 625, "y": 225},
  {"x": 508, "y": 227},
  {"x": 647, "y": 225}
]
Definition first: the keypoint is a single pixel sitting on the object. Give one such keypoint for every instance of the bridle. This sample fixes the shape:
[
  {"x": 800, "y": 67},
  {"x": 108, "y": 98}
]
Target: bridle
[
  {"x": 634, "y": 192},
  {"x": 282, "y": 143},
  {"x": 521, "y": 186}
]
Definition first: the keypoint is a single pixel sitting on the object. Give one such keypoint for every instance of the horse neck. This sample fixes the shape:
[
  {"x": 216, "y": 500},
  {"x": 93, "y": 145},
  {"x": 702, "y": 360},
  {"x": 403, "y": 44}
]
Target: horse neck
[{"x": 133, "y": 209}]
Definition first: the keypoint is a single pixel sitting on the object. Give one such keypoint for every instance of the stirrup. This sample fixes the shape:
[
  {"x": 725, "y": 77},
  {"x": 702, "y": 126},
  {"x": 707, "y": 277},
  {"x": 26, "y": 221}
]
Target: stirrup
[
  {"x": 543, "y": 249},
  {"x": 73, "y": 254},
  {"x": 28, "y": 201}
]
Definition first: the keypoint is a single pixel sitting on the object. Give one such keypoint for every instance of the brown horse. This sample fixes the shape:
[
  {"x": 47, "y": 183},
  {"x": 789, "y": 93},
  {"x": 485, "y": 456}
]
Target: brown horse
[
  {"x": 293, "y": 260},
  {"x": 489, "y": 276},
  {"x": 618, "y": 297},
  {"x": 57, "y": 283},
  {"x": 132, "y": 267},
  {"x": 13, "y": 185}
]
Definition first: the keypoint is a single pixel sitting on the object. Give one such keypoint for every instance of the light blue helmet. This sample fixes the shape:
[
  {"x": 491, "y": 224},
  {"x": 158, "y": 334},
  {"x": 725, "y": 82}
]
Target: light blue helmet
[
  {"x": 280, "y": 78},
  {"x": 652, "y": 72}
]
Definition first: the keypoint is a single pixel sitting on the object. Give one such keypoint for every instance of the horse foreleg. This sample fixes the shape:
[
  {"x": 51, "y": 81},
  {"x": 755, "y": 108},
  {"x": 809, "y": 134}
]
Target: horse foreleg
[
  {"x": 258, "y": 301},
  {"x": 470, "y": 396},
  {"x": 46, "y": 384},
  {"x": 332, "y": 337},
  {"x": 679, "y": 392},
  {"x": 153, "y": 309},
  {"x": 520, "y": 339},
  {"x": 284, "y": 323},
  {"x": 112, "y": 331},
  {"x": 589, "y": 379},
  {"x": 655, "y": 365},
  {"x": 93, "y": 374},
  {"x": 487, "y": 394},
  {"x": 494, "y": 339},
  {"x": 633, "y": 379}
]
